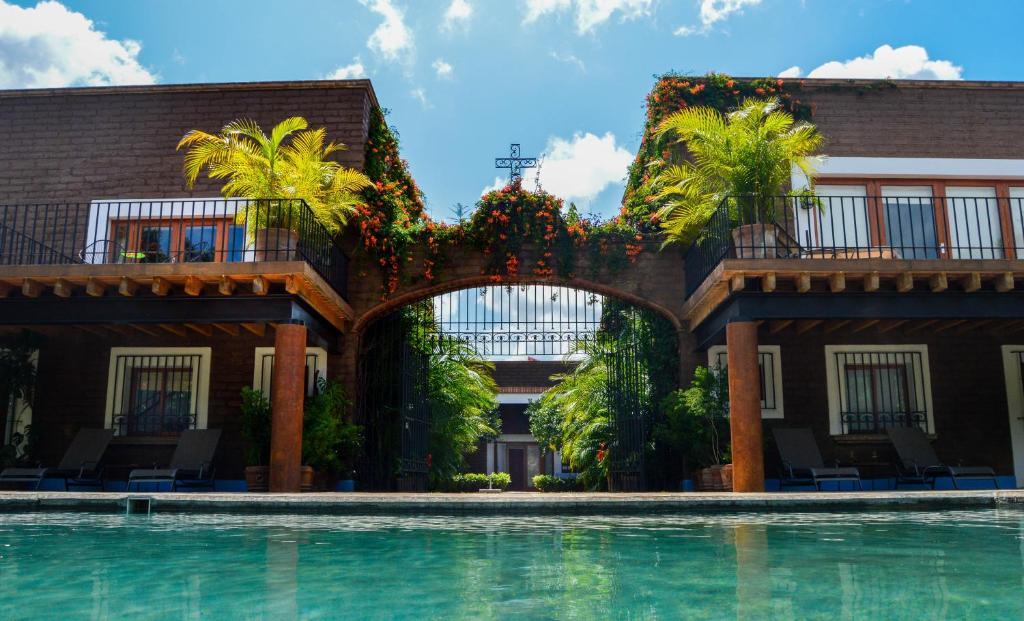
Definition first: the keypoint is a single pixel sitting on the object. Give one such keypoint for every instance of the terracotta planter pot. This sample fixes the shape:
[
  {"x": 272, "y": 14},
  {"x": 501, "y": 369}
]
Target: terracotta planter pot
[
  {"x": 306, "y": 482},
  {"x": 715, "y": 479},
  {"x": 257, "y": 478},
  {"x": 756, "y": 241},
  {"x": 273, "y": 244}
]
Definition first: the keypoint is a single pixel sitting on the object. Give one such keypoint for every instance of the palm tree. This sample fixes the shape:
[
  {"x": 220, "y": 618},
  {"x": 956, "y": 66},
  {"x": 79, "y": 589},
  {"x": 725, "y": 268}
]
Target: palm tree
[
  {"x": 260, "y": 166},
  {"x": 747, "y": 152}
]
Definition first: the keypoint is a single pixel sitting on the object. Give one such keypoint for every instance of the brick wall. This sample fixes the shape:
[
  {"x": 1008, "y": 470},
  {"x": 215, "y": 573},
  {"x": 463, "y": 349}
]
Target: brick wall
[
  {"x": 968, "y": 395},
  {"x": 953, "y": 120},
  {"x": 84, "y": 144}
]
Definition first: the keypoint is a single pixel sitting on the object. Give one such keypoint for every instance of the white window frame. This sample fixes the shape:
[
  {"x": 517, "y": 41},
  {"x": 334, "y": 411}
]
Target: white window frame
[
  {"x": 835, "y": 422},
  {"x": 261, "y": 352},
  {"x": 778, "y": 411},
  {"x": 200, "y": 377}
]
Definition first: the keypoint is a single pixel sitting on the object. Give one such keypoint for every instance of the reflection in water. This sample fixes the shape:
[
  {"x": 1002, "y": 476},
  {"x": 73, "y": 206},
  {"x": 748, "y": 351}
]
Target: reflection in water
[{"x": 908, "y": 565}]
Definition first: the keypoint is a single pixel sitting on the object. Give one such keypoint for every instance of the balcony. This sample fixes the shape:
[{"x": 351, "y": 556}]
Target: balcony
[
  {"x": 179, "y": 232},
  {"x": 844, "y": 229}
]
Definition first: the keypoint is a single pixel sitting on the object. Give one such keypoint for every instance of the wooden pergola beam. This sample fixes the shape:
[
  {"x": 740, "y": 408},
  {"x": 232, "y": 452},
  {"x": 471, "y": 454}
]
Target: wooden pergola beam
[
  {"x": 871, "y": 282},
  {"x": 802, "y": 282},
  {"x": 144, "y": 329},
  {"x": 193, "y": 286},
  {"x": 95, "y": 288},
  {"x": 865, "y": 324},
  {"x": 259, "y": 329},
  {"x": 176, "y": 330},
  {"x": 837, "y": 325},
  {"x": 938, "y": 282},
  {"x": 260, "y": 285},
  {"x": 807, "y": 325},
  {"x": 774, "y": 327},
  {"x": 161, "y": 286},
  {"x": 837, "y": 282},
  {"x": 198, "y": 328},
  {"x": 904, "y": 282},
  {"x": 225, "y": 286},
  {"x": 971, "y": 282},
  {"x": 62, "y": 288},
  {"x": 31, "y": 288},
  {"x": 1004, "y": 282},
  {"x": 917, "y": 327},
  {"x": 949, "y": 325},
  {"x": 889, "y": 326},
  {"x": 768, "y": 282},
  {"x": 127, "y": 287},
  {"x": 227, "y": 328}
]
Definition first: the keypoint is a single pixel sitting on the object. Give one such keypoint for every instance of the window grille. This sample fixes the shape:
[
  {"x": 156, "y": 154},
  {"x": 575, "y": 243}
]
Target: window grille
[
  {"x": 155, "y": 395},
  {"x": 881, "y": 389},
  {"x": 265, "y": 361}
]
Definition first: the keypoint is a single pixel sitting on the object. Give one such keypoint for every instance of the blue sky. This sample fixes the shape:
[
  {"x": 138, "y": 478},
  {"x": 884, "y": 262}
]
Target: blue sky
[{"x": 464, "y": 78}]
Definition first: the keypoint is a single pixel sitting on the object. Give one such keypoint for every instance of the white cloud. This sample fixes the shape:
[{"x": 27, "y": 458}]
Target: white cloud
[
  {"x": 588, "y": 13},
  {"x": 443, "y": 69},
  {"x": 571, "y": 59},
  {"x": 351, "y": 71},
  {"x": 420, "y": 95},
  {"x": 458, "y": 14},
  {"x": 909, "y": 62},
  {"x": 712, "y": 12},
  {"x": 792, "y": 72},
  {"x": 580, "y": 168},
  {"x": 49, "y": 46},
  {"x": 499, "y": 183},
  {"x": 392, "y": 39}
]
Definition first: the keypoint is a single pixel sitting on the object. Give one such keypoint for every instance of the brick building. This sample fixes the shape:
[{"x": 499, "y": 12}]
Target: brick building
[{"x": 894, "y": 301}]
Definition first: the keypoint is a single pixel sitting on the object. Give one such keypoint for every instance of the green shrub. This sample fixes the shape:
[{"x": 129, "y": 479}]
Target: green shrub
[
  {"x": 548, "y": 483},
  {"x": 475, "y": 481}
]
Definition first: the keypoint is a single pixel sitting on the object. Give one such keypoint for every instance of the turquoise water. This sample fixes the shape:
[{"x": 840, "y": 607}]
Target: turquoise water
[{"x": 836, "y": 566}]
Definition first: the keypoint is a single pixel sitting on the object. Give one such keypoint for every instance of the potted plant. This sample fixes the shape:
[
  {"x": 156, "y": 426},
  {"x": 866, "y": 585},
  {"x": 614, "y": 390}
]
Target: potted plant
[
  {"x": 17, "y": 384},
  {"x": 281, "y": 173},
  {"x": 741, "y": 161},
  {"x": 697, "y": 422},
  {"x": 330, "y": 442},
  {"x": 255, "y": 419}
]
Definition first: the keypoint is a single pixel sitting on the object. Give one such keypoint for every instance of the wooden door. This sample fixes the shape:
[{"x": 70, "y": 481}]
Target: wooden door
[{"x": 517, "y": 468}]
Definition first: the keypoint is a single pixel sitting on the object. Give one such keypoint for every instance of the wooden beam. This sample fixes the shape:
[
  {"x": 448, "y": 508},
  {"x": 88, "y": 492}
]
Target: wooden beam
[
  {"x": 62, "y": 288},
  {"x": 225, "y": 286},
  {"x": 837, "y": 325},
  {"x": 803, "y": 282},
  {"x": 1004, "y": 282},
  {"x": 807, "y": 325},
  {"x": 260, "y": 286},
  {"x": 1012, "y": 326},
  {"x": 193, "y": 286},
  {"x": 259, "y": 329},
  {"x": 837, "y": 282},
  {"x": 737, "y": 282},
  {"x": 973, "y": 325},
  {"x": 774, "y": 327},
  {"x": 917, "y": 327},
  {"x": 203, "y": 329},
  {"x": 127, "y": 287},
  {"x": 871, "y": 281},
  {"x": 95, "y": 288},
  {"x": 938, "y": 282},
  {"x": 971, "y": 282},
  {"x": 889, "y": 326},
  {"x": 31, "y": 288},
  {"x": 948, "y": 325},
  {"x": 144, "y": 329},
  {"x": 227, "y": 328},
  {"x": 173, "y": 329},
  {"x": 161, "y": 286},
  {"x": 864, "y": 325},
  {"x": 768, "y": 282},
  {"x": 116, "y": 329},
  {"x": 904, "y": 282},
  {"x": 93, "y": 331}
]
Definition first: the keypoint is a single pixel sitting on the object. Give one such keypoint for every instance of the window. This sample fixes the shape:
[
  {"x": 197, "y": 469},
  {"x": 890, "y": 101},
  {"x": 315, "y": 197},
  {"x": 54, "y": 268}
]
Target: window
[
  {"x": 263, "y": 369},
  {"x": 770, "y": 359},
  {"x": 1017, "y": 218},
  {"x": 974, "y": 229},
  {"x": 157, "y": 391},
  {"x": 839, "y": 221},
  {"x": 910, "y": 221},
  {"x": 872, "y": 388}
]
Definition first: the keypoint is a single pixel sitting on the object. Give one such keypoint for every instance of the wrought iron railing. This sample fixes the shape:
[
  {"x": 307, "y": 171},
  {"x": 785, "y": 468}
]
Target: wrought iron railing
[
  {"x": 170, "y": 231},
  {"x": 857, "y": 227}
]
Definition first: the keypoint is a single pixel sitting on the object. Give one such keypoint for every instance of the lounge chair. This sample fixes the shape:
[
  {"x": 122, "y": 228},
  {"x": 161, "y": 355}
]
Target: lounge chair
[
  {"x": 919, "y": 465},
  {"x": 80, "y": 466},
  {"x": 802, "y": 463},
  {"x": 191, "y": 465}
]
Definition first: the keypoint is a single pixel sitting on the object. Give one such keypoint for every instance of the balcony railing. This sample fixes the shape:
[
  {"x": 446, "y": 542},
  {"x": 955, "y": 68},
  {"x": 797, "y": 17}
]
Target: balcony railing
[
  {"x": 171, "y": 231},
  {"x": 857, "y": 227}
]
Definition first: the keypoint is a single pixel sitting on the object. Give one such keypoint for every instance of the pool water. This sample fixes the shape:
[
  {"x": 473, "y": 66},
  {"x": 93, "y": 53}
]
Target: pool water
[{"x": 895, "y": 565}]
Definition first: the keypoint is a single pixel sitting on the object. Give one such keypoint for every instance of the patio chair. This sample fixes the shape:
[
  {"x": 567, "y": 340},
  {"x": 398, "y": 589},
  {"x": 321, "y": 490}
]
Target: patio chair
[
  {"x": 802, "y": 463},
  {"x": 919, "y": 465},
  {"x": 80, "y": 466},
  {"x": 191, "y": 465}
]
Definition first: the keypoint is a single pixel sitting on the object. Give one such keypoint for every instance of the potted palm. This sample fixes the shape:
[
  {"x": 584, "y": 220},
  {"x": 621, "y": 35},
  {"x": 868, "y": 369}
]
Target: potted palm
[
  {"x": 330, "y": 442},
  {"x": 702, "y": 414},
  {"x": 741, "y": 161},
  {"x": 276, "y": 171},
  {"x": 255, "y": 419}
]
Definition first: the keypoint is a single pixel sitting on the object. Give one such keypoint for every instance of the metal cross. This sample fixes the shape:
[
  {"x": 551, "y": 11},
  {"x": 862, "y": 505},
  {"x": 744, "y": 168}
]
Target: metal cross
[{"x": 515, "y": 164}]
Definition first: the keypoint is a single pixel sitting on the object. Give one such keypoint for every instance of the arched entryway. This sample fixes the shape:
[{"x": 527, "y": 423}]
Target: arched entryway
[{"x": 399, "y": 346}]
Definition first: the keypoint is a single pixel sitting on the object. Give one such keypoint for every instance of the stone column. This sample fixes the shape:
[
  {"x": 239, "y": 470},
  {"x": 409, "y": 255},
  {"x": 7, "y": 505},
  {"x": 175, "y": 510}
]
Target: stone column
[
  {"x": 745, "y": 407},
  {"x": 287, "y": 395}
]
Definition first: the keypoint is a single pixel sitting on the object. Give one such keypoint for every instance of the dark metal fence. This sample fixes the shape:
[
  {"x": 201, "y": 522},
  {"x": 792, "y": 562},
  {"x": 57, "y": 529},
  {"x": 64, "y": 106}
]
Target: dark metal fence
[
  {"x": 857, "y": 227},
  {"x": 881, "y": 389},
  {"x": 311, "y": 377},
  {"x": 155, "y": 395},
  {"x": 170, "y": 231}
]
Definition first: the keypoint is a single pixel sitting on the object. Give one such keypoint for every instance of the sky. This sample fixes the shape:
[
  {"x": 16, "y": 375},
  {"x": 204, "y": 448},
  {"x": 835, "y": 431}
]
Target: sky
[{"x": 465, "y": 78}]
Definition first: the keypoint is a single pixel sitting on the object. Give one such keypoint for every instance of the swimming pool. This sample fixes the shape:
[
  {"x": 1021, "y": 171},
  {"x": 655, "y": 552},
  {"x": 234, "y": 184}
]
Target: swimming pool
[{"x": 892, "y": 565}]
